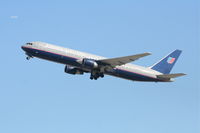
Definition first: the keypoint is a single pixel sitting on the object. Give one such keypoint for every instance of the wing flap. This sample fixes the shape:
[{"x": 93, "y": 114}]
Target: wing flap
[{"x": 122, "y": 60}]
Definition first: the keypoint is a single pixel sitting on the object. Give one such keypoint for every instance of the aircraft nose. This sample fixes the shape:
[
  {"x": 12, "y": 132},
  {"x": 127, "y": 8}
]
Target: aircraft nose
[{"x": 23, "y": 47}]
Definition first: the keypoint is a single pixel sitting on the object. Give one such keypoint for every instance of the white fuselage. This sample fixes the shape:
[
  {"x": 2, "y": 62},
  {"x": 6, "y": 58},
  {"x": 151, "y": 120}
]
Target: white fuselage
[{"x": 50, "y": 52}]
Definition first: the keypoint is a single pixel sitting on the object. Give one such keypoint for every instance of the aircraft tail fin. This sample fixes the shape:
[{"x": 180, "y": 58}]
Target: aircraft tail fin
[{"x": 166, "y": 64}]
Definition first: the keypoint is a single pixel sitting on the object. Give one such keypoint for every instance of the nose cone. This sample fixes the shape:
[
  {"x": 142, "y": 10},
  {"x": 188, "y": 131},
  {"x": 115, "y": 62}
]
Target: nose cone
[{"x": 23, "y": 47}]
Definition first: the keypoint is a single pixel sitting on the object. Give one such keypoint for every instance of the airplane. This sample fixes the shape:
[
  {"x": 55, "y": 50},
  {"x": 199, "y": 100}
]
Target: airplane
[{"x": 77, "y": 62}]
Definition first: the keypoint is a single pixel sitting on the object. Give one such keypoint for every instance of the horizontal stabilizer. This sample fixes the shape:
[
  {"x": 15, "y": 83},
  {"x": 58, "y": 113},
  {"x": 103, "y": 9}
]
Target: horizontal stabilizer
[{"x": 168, "y": 76}]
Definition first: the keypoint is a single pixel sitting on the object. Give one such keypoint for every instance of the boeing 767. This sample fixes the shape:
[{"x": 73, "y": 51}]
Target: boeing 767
[{"x": 77, "y": 62}]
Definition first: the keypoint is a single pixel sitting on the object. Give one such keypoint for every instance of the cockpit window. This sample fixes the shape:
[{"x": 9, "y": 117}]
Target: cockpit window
[{"x": 29, "y": 44}]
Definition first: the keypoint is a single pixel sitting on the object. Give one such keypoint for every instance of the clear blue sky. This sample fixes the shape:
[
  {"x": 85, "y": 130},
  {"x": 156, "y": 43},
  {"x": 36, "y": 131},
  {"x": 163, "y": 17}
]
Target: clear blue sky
[{"x": 36, "y": 96}]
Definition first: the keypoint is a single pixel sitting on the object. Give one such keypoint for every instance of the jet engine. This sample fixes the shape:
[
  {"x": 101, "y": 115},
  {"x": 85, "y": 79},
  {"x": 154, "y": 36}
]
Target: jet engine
[
  {"x": 89, "y": 63},
  {"x": 73, "y": 70}
]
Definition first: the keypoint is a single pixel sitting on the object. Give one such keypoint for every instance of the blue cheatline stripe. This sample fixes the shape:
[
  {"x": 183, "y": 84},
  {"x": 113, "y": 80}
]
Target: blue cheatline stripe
[
  {"x": 125, "y": 73},
  {"x": 52, "y": 52},
  {"x": 134, "y": 76}
]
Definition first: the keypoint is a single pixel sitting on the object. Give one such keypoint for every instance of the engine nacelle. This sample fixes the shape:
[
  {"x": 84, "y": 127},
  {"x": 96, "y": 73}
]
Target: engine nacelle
[
  {"x": 73, "y": 70},
  {"x": 89, "y": 63}
]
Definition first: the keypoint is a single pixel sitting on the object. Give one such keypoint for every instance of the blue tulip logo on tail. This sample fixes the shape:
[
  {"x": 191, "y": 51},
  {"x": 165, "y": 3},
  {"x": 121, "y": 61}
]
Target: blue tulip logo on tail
[{"x": 171, "y": 60}]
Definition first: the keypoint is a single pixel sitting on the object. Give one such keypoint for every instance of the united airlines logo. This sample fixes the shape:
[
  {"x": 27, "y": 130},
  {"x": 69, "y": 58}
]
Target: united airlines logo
[{"x": 171, "y": 60}]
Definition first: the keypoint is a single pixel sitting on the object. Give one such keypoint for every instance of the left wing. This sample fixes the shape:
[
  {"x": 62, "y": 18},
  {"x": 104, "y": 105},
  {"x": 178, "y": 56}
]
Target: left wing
[{"x": 113, "y": 62}]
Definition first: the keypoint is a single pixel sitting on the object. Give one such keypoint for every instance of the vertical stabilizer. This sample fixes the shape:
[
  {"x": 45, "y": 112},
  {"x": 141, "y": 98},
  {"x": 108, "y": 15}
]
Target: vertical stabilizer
[{"x": 166, "y": 64}]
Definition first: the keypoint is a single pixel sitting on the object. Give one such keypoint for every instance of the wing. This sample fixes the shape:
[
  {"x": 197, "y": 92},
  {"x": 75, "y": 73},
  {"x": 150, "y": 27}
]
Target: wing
[{"x": 121, "y": 60}]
